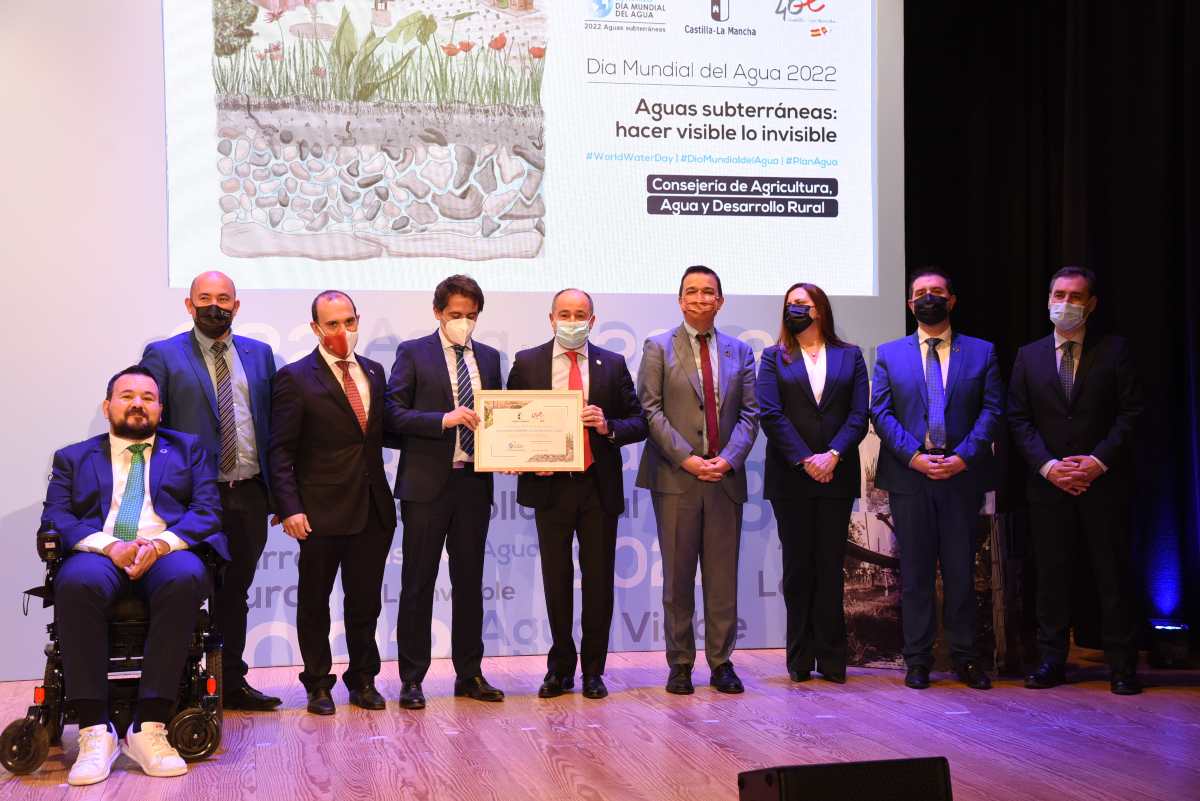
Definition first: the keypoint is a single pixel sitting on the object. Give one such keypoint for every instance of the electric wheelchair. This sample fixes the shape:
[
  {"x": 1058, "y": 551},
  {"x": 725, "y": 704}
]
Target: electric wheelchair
[{"x": 194, "y": 731}]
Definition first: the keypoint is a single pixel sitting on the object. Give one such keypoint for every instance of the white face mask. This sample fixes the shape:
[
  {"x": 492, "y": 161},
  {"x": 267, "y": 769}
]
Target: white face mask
[
  {"x": 1067, "y": 316},
  {"x": 459, "y": 331},
  {"x": 572, "y": 335}
]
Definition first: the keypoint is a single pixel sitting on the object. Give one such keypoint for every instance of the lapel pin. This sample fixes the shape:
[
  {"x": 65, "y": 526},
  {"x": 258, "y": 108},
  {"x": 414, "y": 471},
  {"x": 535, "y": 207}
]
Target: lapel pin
[
  {"x": 162, "y": 450},
  {"x": 598, "y": 362}
]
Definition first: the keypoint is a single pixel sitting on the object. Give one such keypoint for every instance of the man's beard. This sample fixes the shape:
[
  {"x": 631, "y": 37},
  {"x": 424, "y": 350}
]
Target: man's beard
[{"x": 141, "y": 428}]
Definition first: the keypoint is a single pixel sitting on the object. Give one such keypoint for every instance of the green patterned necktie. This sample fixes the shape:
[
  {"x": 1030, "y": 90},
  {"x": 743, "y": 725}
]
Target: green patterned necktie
[{"x": 126, "y": 527}]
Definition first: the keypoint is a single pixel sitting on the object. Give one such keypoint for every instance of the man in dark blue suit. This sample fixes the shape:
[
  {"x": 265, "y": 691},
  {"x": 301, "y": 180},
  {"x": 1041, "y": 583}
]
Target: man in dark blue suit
[
  {"x": 217, "y": 386},
  {"x": 937, "y": 403},
  {"x": 133, "y": 507},
  {"x": 1072, "y": 407},
  {"x": 444, "y": 503},
  {"x": 586, "y": 504}
]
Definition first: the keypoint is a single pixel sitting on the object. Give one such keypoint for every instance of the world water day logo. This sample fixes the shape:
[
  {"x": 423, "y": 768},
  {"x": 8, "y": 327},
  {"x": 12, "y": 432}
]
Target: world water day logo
[{"x": 601, "y": 8}]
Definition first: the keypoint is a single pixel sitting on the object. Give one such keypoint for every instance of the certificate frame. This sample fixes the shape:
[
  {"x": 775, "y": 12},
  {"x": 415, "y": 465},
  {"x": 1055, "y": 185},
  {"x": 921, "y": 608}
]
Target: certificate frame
[{"x": 551, "y": 444}]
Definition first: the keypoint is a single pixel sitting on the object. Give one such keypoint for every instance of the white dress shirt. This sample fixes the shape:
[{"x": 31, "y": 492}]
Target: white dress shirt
[
  {"x": 1075, "y": 336},
  {"x": 356, "y": 372},
  {"x": 560, "y": 368},
  {"x": 247, "y": 448},
  {"x": 476, "y": 385},
  {"x": 816, "y": 371},
  {"x": 714, "y": 362},
  {"x": 150, "y": 525}
]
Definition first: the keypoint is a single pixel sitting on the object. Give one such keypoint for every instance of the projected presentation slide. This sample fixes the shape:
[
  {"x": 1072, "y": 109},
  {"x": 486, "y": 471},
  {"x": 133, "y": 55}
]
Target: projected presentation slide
[{"x": 381, "y": 144}]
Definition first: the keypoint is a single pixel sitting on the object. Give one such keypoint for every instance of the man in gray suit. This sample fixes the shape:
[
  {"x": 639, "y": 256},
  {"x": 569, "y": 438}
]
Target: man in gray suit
[{"x": 697, "y": 388}]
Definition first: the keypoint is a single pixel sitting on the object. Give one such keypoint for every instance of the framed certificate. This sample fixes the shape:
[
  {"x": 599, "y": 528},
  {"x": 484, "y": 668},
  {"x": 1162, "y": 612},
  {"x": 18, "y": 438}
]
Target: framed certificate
[{"x": 528, "y": 430}]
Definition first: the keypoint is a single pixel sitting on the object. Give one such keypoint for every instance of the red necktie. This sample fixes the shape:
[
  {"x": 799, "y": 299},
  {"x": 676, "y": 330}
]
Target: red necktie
[
  {"x": 352, "y": 395},
  {"x": 575, "y": 381},
  {"x": 711, "y": 429}
]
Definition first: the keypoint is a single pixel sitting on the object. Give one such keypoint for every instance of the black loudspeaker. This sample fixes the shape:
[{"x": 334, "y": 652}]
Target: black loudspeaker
[{"x": 925, "y": 779}]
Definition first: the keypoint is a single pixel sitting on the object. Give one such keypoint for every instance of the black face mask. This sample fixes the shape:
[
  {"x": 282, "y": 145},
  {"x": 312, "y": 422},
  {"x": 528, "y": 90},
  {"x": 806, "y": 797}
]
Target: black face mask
[
  {"x": 797, "y": 318},
  {"x": 931, "y": 309},
  {"x": 213, "y": 321}
]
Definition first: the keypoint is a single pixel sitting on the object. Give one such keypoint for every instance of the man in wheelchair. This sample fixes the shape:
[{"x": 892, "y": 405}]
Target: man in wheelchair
[{"x": 134, "y": 508}]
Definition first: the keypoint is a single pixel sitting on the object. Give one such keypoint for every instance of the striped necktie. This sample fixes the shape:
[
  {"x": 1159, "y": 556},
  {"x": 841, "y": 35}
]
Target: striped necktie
[
  {"x": 126, "y": 527},
  {"x": 466, "y": 397},
  {"x": 226, "y": 422}
]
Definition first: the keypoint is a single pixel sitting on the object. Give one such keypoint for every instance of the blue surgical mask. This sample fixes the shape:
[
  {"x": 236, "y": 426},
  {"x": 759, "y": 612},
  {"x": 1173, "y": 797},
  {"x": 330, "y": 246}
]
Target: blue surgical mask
[
  {"x": 1067, "y": 316},
  {"x": 572, "y": 336}
]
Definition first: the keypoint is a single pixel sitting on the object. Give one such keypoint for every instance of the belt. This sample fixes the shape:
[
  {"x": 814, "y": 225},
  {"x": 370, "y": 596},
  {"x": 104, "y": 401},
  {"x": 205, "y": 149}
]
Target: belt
[{"x": 235, "y": 484}]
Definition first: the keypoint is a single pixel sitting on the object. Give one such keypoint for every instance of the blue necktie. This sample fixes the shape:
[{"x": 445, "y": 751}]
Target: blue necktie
[
  {"x": 1066, "y": 369},
  {"x": 466, "y": 397},
  {"x": 126, "y": 527},
  {"x": 937, "y": 394}
]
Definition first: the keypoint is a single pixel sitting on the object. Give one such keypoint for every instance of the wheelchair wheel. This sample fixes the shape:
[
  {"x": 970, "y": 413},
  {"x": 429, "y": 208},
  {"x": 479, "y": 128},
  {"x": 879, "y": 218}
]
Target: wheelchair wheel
[
  {"x": 24, "y": 746},
  {"x": 194, "y": 733}
]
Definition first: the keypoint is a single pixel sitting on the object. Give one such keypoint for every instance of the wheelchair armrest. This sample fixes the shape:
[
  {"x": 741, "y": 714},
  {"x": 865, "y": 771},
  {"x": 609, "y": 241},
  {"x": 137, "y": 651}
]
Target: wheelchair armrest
[{"x": 49, "y": 546}]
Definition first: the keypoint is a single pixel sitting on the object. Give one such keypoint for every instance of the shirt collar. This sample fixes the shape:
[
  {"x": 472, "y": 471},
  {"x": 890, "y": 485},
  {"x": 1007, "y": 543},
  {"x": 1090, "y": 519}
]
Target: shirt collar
[
  {"x": 1075, "y": 336},
  {"x": 559, "y": 350},
  {"x": 120, "y": 444},
  {"x": 206, "y": 342},
  {"x": 332, "y": 360},
  {"x": 447, "y": 344},
  {"x": 945, "y": 336},
  {"x": 694, "y": 332}
]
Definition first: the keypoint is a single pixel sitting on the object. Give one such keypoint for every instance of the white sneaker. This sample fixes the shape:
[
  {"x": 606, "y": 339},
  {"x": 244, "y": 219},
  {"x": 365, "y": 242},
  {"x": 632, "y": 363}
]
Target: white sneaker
[
  {"x": 98, "y": 750},
  {"x": 150, "y": 749}
]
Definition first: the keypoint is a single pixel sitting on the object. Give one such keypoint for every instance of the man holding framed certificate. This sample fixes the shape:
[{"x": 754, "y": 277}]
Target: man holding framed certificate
[{"x": 585, "y": 502}]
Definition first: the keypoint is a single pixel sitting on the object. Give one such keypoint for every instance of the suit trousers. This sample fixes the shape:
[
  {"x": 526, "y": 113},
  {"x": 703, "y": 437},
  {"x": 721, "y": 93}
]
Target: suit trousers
[
  {"x": 361, "y": 558},
  {"x": 812, "y": 537},
  {"x": 87, "y": 586},
  {"x": 456, "y": 520},
  {"x": 938, "y": 523},
  {"x": 576, "y": 510},
  {"x": 1092, "y": 526},
  {"x": 702, "y": 526},
  {"x": 244, "y": 515}
]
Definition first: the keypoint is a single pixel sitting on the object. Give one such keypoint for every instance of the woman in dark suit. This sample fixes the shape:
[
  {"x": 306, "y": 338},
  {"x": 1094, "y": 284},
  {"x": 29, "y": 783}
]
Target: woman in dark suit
[{"x": 813, "y": 399}]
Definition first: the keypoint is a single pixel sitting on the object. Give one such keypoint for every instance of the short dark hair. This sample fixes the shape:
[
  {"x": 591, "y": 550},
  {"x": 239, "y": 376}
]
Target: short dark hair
[
  {"x": 921, "y": 272},
  {"x": 1070, "y": 271},
  {"x": 559, "y": 293},
  {"x": 457, "y": 285},
  {"x": 700, "y": 268},
  {"x": 135, "y": 369},
  {"x": 330, "y": 294}
]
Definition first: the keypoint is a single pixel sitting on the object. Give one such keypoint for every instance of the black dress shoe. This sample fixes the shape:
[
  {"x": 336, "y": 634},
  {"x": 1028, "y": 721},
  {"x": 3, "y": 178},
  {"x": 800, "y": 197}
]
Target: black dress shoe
[
  {"x": 320, "y": 702},
  {"x": 593, "y": 687},
  {"x": 249, "y": 699},
  {"x": 478, "y": 688},
  {"x": 679, "y": 682},
  {"x": 1126, "y": 683},
  {"x": 972, "y": 675},
  {"x": 799, "y": 675},
  {"x": 917, "y": 677},
  {"x": 554, "y": 685},
  {"x": 367, "y": 697},
  {"x": 725, "y": 679},
  {"x": 830, "y": 673},
  {"x": 1046, "y": 676},
  {"x": 411, "y": 696}
]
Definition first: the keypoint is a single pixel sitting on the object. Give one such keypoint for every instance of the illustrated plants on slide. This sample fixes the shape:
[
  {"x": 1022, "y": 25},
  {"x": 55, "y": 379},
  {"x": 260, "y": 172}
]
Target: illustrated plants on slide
[{"x": 369, "y": 128}]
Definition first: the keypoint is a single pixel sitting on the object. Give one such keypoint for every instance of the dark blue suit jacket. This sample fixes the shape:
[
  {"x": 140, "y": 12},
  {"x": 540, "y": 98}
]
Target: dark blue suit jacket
[
  {"x": 183, "y": 489},
  {"x": 418, "y": 395},
  {"x": 974, "y": 411},
  {"x": 190, "y": 400},
  {"x": 797, "y": 426}
]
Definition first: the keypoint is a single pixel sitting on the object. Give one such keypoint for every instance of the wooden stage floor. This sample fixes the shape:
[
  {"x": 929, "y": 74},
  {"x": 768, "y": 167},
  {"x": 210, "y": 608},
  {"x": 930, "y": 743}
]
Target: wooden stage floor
[{"x": 1075, "y": 742}]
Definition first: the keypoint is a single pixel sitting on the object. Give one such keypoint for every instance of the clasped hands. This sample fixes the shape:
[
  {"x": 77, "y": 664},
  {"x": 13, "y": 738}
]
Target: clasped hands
[
  {"x": 820, "y": 466},
  {"x": 1074, "y": 474},
  {"x": 136, "y": 556},
  {"x": 938, "y": 467},
  {"x": 713, "y": 469}
]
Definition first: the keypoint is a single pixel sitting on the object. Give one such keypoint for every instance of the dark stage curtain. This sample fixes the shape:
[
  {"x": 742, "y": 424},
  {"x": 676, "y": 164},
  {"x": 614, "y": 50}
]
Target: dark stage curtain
[{"x": 1040, "y": 134}]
